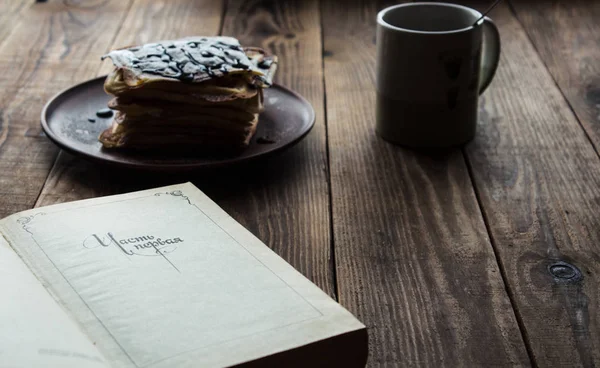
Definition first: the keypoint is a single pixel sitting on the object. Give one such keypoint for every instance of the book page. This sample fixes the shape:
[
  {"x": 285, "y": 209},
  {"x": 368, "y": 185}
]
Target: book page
[
  {"x": 36, "y": 332},
  {"x": 166, "y": 278}
]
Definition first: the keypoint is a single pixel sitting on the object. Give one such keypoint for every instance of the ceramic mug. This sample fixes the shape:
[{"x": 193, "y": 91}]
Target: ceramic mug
[{"x": 433, "y": 62}]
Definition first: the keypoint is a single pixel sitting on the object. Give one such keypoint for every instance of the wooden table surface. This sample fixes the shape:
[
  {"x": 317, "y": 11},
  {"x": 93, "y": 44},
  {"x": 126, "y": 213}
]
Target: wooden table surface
[{"x": 486, "y": 255}]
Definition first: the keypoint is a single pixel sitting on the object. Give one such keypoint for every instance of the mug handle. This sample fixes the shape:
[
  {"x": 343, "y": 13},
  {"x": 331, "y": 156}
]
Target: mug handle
[{"x": 490, "y": 54}]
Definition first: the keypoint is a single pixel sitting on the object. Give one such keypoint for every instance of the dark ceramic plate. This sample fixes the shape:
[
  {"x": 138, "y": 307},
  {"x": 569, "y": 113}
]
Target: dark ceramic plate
[{"x": 287, "y": 118}]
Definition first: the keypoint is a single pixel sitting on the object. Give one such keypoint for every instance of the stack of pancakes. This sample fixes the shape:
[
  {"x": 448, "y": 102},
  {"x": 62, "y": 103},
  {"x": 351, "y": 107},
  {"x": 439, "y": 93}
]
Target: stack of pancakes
[{"x": 205, "y": 92}]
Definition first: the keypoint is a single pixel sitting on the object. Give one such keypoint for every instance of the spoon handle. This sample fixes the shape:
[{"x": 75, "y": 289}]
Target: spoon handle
[{"x": 487, "y": 11}]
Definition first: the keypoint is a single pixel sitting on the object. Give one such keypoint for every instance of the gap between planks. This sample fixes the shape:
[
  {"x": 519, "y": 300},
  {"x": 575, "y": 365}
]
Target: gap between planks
[
  {"x": 333, "y": 263},
  {"x": 493, "y": 242},
  {"x": 60, "y": 151},
  {"x": 223, "y": 14},
  {"x": 562, "y": 92},
  {"x": 501, "y": 268}
]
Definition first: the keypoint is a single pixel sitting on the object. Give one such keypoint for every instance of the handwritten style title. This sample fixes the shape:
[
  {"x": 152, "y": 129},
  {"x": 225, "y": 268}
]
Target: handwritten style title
[{"x": 145, "y": 245}]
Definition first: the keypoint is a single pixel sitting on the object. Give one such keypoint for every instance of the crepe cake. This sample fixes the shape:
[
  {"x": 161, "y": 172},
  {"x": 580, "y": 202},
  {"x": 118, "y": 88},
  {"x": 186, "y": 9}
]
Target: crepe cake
[{"x": 201, "y": 92}]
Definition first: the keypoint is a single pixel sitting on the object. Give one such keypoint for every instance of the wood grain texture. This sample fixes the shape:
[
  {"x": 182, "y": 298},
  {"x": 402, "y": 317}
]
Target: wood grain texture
[
  {"x": 288, "y": 207},
  {"x": 61, "y": 47},
  {"x": 71, "y": 178},
  {"x": 538, "y": 179},
  {"x": 10, "y": 15},
  {"x": 566, "y": 34},
  {"x": 284, "y": 201},
  {"x": 151, "y": 21},
  {"x": 414, "y": 261}
]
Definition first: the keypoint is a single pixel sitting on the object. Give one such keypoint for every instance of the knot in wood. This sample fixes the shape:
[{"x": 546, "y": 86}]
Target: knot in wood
[{"x": 565, "y": 272}]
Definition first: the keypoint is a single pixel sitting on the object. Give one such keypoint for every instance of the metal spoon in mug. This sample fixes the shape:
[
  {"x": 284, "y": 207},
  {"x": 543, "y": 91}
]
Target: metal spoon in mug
[{"x": 487, "y": 11}]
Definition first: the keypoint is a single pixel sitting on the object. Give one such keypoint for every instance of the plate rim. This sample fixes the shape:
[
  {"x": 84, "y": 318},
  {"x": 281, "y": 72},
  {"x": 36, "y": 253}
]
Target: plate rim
[{"x": 171, "y": 167}]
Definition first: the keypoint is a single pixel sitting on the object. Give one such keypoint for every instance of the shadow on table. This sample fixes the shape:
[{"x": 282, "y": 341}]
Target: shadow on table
[
  {"x": 229, "y": 183},
  {"x": 386, "y": 153},
  {"x": 238, "y": 185}
]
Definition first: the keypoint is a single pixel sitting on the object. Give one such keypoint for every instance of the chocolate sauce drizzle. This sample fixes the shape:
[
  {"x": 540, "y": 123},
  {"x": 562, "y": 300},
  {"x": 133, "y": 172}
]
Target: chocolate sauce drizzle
[
  {"x": 185, "y": 59},
  {"x": 104, "y": 113},
  {"x": 265, "y": 64}
]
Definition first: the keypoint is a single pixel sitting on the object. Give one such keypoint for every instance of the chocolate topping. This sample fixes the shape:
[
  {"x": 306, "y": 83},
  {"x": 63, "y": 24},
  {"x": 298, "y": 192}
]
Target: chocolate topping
[
  {"x": 265, "y": 64},
  {"x": 104, "y": 113},
  {"x": 184, "y": 59}
]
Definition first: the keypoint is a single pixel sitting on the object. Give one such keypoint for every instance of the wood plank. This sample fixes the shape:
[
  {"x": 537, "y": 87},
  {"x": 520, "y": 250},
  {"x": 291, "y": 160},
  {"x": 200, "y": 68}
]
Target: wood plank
[
  {"x": 414, "y": 260},
  {"x": 55, "y": 45},
  {"x": 538, "y": 180},
  {"x": 291, "y": 205},
  {"x": 10, "y": 15},
  {"x": 284, "y": 201},
  {"x": 151, "y": 21},
  {"x": 566, "y": 34},
  {"x": 71, "y": 178}
]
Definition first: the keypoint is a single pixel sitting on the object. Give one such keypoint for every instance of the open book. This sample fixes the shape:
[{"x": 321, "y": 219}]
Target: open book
[{"x": 159, "y": 278}]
